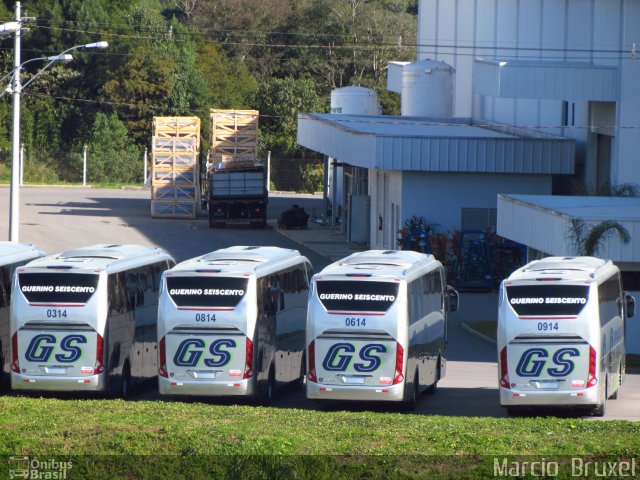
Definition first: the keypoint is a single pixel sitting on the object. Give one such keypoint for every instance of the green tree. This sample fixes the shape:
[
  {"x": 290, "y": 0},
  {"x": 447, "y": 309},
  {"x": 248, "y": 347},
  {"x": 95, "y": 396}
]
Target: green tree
[
  {"x": 588, "y": 239},
  {"x": 279, "y": 102},
  {"x": 111, "y": 155}
]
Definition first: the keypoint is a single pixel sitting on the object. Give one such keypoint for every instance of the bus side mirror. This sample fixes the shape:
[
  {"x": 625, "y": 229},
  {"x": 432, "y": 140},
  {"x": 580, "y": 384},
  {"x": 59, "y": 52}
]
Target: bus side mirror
[
  {"x": 631, "y": 305},
  {"x": 453, "y": 298}
]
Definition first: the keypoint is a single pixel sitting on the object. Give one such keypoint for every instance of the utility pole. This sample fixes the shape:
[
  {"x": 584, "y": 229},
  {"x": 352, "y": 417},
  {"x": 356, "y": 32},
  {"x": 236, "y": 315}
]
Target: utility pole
[{"x": 14, "y": 210}]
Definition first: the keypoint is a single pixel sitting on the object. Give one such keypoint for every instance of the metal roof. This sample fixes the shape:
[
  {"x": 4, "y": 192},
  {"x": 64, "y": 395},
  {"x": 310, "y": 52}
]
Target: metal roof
[
  {"x": 571, "y": 81},
  {"x": 543, "y": 222},
  {"x": 12, "y": 252},
  {"x": 242, "y": 260},
  {"x": 562, "y": 268},
  {"x": 381, "y": 263},
  {"x": 434, "y": 144}
]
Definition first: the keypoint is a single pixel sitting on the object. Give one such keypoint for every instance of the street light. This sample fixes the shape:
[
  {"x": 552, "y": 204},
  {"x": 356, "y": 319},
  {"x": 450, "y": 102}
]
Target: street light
[{"x": 16, "y": 89}]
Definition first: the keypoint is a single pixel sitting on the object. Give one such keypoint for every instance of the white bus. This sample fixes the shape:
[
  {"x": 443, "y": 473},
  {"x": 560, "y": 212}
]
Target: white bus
[
  {"x": 377, "y": 327},
  {"x": 85, "y": 320},
  {"x": 561, "y": 325},
  {"x": 231, "y": 323},
  {"x": 12, "y": 256}
]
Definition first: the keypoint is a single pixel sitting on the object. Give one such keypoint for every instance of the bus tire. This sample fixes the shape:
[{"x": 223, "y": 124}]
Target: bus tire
[
  {"x": 269, "y": 393},
  {"x": 600, "y": 410},
  {"x": 125, "y": 381},
  {"x": 302, "y": 381},
  {"x": 433, "y": 388},
  {"x": 409, "y": 403}
]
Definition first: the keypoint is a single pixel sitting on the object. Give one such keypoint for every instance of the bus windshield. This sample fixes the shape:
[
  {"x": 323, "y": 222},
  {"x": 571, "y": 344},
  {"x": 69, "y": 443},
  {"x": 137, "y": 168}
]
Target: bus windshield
[
  {"x": 60, "y": 287},
  {"x": 206, "y": 291},
  {"x": 547, "y": 300},
  {"x": 353, "y": 296}
]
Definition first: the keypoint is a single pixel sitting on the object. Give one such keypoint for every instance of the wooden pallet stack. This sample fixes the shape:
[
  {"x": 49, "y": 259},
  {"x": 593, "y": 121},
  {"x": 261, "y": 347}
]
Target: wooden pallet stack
[
  {"x": 234, "y": 138},
  {"x": 175, "y": 189}
]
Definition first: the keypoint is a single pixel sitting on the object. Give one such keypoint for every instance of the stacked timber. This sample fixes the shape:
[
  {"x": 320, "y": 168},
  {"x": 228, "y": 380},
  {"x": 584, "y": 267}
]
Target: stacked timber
[
  {"x": 234, "y": 139},
  {"x": 174, "y": 177}
]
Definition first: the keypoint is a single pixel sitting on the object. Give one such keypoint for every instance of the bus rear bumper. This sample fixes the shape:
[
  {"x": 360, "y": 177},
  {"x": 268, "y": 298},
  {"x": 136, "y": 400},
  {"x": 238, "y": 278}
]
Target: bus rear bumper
[
  {"x": 87, "y": 383},
  {"x": 235, "y": 388},
  {"x": 514, "y": 398},
  {"x": 383, "y": 393}
]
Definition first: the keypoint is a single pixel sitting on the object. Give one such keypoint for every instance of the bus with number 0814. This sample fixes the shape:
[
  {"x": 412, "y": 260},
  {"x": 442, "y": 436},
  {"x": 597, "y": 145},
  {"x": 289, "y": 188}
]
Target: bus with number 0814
[
  {"x": 12, "y": 256},
  {"x": 85, "y": 320},
  {"x": 377, "y": 327},
  {"x": 560, "y": 338},
  {"x": 231, "y": 323}
]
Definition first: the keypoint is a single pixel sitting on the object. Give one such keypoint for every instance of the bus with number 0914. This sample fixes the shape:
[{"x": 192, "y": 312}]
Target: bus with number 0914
[
  {"x": 12, "y": 256},
  {"x": 560, "y": 338},
  {"x": 377, "y": 327},
  {"x": 85, "y": 320},
  {"x": 231, "y": 323}
]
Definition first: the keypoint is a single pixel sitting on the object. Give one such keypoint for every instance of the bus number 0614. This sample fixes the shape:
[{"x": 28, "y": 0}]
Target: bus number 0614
[{"x": 355, "y": 322}]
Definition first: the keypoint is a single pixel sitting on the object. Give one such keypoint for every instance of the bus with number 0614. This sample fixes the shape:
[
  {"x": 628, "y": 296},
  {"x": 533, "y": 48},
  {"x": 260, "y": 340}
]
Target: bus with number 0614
[
  {"x": 12, "y": 256},
  {"x": 377, "y": 327},
  {"x": 560, "y": 339},
  {"x": 85, "y": 320},
  {"x": 231, "y": 323}
]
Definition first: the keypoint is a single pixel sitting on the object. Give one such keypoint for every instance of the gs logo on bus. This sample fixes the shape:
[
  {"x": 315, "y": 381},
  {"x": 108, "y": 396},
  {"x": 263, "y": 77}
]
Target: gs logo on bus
[
  {"x": 533, "y": 361},
  {"x": 190, "y": 351},
  {"x": 339, "y": 357},
  {"x": 42, "y": 346}
]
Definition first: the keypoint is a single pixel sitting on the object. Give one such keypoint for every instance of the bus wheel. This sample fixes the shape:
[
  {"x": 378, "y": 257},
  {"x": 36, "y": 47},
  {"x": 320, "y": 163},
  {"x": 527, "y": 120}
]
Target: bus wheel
[
  {"x": 270, "y": 393},
  {"x": 599, "y": 410},
  {"x": 302, "y": 381},
  {"x": 125, "y": 381},
  {"x": 409, "y": 403},
  {"x": 433, "y": 388},
  {"x": 614, "y": 395}
]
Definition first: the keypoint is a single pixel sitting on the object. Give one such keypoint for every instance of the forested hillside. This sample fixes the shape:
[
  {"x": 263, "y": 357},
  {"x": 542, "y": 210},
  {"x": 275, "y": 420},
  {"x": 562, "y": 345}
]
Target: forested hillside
[{"x": 183, "y": 57}]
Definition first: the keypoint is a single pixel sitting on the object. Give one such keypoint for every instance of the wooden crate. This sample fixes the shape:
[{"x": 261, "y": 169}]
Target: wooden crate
[
  {"x": 173, "y": 193},
  {"x": 172, "y": 176},
  {"x": 177, "y": 127},
  {"x": 234, "y": 133},
  {"x": 173, "y": 209}
]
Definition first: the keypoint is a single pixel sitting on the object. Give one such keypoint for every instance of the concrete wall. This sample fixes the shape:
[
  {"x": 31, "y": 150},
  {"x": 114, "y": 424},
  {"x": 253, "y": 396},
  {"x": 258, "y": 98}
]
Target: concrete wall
[
  {"x": 449, "y": 193},
  {"x": 598, "y": 31}
]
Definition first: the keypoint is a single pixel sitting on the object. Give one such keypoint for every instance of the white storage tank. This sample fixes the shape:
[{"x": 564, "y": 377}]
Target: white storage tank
[
  {"x": 427, "y": 89},
  {"x": 355, "y": 100}
]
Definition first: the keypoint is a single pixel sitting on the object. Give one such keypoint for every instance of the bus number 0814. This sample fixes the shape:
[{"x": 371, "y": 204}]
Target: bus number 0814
[
  {"x": 205, "y": 317},
  {"x": 355, "y": 322}
]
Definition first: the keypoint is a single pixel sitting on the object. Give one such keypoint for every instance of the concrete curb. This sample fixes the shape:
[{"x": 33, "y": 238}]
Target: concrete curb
[
  {"x": 477, "y": 334},
  {"x": 273, "y": 224}
]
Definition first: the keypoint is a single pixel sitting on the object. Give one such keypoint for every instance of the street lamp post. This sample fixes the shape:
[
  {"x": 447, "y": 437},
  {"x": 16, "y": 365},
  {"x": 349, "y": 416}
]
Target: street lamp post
[{"x": 16, "y": 89}]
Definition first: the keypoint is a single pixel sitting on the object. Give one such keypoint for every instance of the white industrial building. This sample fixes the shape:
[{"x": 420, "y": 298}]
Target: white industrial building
[{"x": 561, "y": 74}]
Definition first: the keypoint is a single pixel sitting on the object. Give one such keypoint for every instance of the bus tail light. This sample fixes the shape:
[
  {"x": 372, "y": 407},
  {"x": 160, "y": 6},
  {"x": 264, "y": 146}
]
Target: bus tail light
[
  {"x": 248, "y": 363},
  {"x": 15, "y": 364},
  {"x": 162, "y": 348},
  {"x": 504, "y": 371},
  {"x": 593, "y": 380},
  {"x": 399, "y": 377},
  {"x": 99, "y": 368},
  {"x": 311, "y": 355}
]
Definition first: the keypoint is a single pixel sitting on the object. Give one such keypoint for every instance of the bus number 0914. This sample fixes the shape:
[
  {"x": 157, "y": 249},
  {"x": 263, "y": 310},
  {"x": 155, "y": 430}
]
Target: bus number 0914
[
  {"x": 547, "y": 326},
  {"x": 355, "y": 322}
]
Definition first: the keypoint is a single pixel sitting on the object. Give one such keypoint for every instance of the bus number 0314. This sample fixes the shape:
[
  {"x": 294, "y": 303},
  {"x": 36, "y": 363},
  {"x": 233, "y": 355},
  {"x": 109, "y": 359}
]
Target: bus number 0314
[
  {"x": 56, "y": 313},
  {"x": 355, "y": 322}
]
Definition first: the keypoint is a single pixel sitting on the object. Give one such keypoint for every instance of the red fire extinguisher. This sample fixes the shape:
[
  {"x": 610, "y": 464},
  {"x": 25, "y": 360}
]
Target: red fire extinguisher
[{"x": 379, "y": 222}]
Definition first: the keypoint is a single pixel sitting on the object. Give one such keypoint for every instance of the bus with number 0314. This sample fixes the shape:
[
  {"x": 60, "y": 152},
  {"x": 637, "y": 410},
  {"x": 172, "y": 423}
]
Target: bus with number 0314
[
  {"x": 560, "y": 338},
  {"x": 377, "y": 327},
  {"x": 12, "y": 256},
  {"x": 231, "y": 323},
  {"x": 85, "y": 320}
]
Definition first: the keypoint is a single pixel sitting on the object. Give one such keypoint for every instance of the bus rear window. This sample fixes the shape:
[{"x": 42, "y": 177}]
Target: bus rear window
[
  {"x": 206, "y": 291},
  {"x": 363, "y": 296},
  {"x": 547, "y": 300},
  {"x": 57, "y": 287}
]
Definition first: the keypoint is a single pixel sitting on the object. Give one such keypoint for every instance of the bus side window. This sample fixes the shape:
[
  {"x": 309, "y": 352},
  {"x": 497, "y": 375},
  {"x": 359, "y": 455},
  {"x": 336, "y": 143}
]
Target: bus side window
[{"x": 5, "y": 286}]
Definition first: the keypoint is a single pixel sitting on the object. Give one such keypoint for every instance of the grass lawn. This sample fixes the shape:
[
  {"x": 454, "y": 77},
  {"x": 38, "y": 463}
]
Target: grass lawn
[{"x": 145, "y": 439}]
